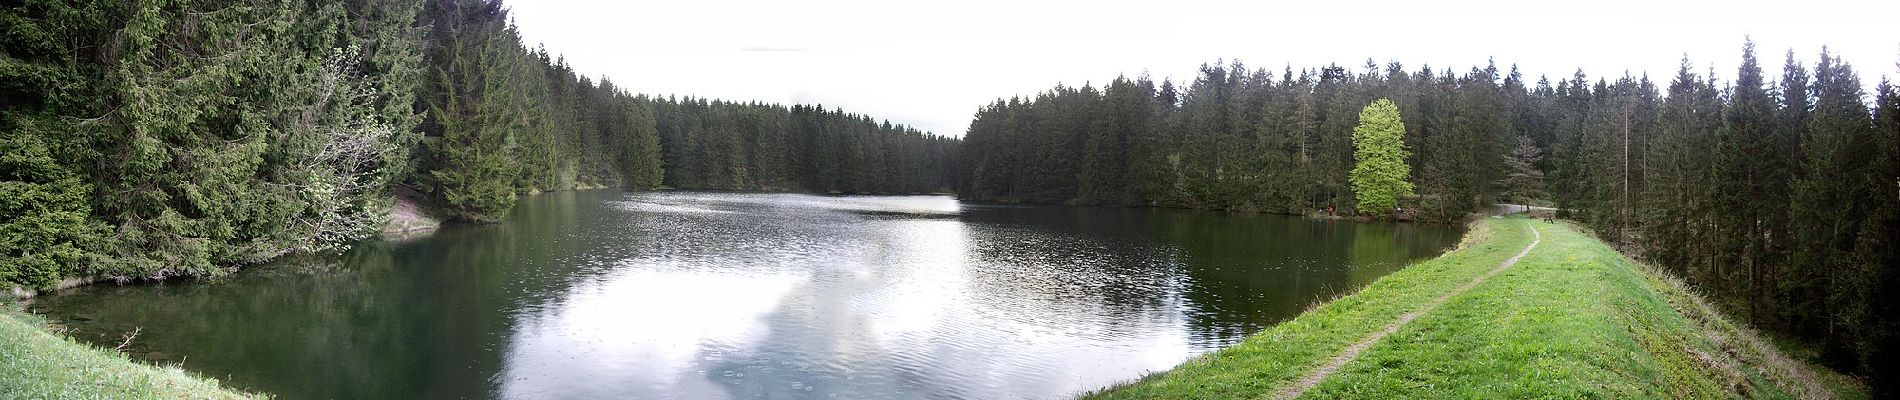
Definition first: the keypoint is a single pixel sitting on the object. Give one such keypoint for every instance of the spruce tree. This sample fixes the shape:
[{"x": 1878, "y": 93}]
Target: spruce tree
[
  {"x": 1677, "y": 173},
  {"x": 1523, "y": 183},
  {"x": 1746, "y": 162},
  {"x": 1877, "y": 246},
  {"x": 1792, "y": 118},
  {"x": 47, "y": 230},
  {"x": 1828, "y": 207}
]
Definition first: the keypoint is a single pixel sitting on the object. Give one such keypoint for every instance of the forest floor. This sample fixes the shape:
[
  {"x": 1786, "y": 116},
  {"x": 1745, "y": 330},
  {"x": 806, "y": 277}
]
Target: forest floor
[
  {"x": 41, "y": 364},
  {"x": 1571, "y": 318}
]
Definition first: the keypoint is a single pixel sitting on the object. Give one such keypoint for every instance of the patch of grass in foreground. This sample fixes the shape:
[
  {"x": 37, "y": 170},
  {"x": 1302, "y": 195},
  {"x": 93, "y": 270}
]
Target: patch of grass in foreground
[
  {"x": 37, "y": 364},
  {"x": 1265, "y": 361}
]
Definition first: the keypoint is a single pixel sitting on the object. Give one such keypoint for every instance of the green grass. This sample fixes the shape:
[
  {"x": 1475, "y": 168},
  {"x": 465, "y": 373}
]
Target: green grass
[
  {"x": 1264, "y": 362},
  {"x": 1572, "y": 319},
  {"x": 38, "y": 364}
]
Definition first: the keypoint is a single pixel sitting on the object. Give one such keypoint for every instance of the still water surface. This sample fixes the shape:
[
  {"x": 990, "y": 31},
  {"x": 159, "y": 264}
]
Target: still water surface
[{"x": 606, "y": 294}]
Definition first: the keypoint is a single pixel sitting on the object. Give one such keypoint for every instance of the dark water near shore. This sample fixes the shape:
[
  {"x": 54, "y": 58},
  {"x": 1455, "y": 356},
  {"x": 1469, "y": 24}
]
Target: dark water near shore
[{"x": 606, "y": 294}]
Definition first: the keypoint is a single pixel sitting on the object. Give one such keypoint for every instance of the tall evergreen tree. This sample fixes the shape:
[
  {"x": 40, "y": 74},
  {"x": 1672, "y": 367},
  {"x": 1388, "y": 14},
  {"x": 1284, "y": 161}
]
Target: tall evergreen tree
[
  {"x": 1827, "y": 208},
  {"x": 1877, "y": 246},
  {"x": 47, "y": 230},
  {"x": 1746, "y": 162},
  {"x": 1523, "y": 183},
  {"x": 1678, "y": 174},
  {"x": 477, "y": 107},
  {"x": 1792, "y": 116}
]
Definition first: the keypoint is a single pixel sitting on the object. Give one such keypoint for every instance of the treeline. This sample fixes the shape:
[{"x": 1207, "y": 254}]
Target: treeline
[
  {"x": 1779, "y": 199},
  {"x": 501, "y": 119},
  {"x": 151, "y": 139},
  {"x": 1241, "y": 139},
  {"x": 751, "y": 146}
]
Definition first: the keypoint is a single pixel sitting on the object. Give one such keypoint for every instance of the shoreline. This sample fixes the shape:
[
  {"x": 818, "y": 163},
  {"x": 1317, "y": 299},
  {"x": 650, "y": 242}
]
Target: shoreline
[
  {"x": 1315, "y": 215},
  {"x": 410, "y": 215}
]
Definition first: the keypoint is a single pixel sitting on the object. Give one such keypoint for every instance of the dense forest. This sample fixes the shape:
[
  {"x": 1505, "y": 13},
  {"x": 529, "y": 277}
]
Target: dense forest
[
  {"x": 751, "y": 146},
  {"x": 149, "y": 139},
  {"x": 1240, "y": 139},
  {"x": 1779, "y": 198}
]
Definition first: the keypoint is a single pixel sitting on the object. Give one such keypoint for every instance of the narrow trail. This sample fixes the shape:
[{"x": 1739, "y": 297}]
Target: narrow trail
[{"x": 1312, "y": 379}]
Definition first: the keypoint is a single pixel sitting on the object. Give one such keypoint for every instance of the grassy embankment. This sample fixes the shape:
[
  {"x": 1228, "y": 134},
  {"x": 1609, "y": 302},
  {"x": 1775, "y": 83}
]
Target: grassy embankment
[
  {"x": 1571, "y": 319},
  {"x": 38, "y": 364}
]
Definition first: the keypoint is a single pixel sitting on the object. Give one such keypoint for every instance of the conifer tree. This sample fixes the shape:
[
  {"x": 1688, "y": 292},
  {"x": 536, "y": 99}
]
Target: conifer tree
[
  {"x": 1746, "y": 161},
  {"x": 47, "y": 230},
  {"x": 1523, "y": 183},
  {"x": 1827, "y": 207},
  {"x": 1792, "y": 119},
  {"x": 1877, "y": 246},
  {"x": 1678, "y": 170},
  {"x": 478, "y": 107}
]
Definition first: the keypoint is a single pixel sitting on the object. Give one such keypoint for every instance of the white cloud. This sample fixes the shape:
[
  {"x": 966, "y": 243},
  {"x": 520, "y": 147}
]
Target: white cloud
[{"x": 931, "y": 65}]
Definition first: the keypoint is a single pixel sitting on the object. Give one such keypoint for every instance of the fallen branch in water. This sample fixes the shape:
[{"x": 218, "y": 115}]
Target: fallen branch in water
[{"x": 134, "y": 334}]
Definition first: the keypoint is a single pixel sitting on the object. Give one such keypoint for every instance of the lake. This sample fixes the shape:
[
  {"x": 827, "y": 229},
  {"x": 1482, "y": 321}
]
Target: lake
[{"x": 707, "y": 295}]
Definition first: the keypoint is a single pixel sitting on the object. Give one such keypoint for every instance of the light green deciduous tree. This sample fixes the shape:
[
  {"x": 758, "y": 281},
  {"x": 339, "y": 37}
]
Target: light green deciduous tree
[{"x": 1379, "y": 173}]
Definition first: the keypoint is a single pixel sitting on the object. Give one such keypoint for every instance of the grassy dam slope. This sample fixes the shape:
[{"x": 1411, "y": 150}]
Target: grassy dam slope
[{"x": 1571, "y": 318}]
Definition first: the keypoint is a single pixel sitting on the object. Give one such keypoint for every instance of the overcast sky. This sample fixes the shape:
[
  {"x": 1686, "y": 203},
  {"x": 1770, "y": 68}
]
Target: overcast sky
[{"x": 931, "y": 65}]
